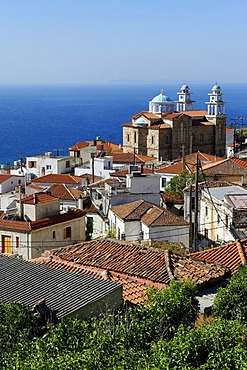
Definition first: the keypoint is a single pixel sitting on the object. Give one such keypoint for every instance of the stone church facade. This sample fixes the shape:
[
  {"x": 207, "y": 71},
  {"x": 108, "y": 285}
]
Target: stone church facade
[{"x": 165, "y": 134}]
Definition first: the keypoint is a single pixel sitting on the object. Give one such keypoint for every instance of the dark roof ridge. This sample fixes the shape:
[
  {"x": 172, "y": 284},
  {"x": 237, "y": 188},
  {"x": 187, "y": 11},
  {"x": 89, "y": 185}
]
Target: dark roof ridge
[{"x": 168, "y": 264}]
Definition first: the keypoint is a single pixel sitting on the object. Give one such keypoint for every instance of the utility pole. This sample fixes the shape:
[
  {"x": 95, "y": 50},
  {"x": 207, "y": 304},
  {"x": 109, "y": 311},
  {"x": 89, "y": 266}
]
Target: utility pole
[
  {"x": 196, "y": 207},
  {"x": 191, "y": 222},
  {"x": 92, "y": 156}
]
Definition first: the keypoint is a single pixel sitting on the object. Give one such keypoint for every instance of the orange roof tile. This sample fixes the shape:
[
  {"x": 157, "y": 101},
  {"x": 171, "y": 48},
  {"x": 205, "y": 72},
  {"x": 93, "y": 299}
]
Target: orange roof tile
[
  {"x": 63, "y": 217},
  {"x": 148, "y": 213},
  {"x": 79, "y": 145},
  {"x": 65, "y": 192},
  {"x": 37, "y": 198},
  {"x": 137, "y": 263},
  {"x": 59, "y": 179},
  {"x": 123, "y": 173},
  {"x": 4, "y": 177},
  {"x": 196, "y": 113},
  {"x": 131, "y": 158},
  {"x": 231, "y": 255}
]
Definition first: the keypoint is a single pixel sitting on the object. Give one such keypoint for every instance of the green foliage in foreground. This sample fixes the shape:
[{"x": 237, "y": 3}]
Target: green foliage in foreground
[
  {"x": 160, "y": 335},
  {"x": 231, "y": 302}
]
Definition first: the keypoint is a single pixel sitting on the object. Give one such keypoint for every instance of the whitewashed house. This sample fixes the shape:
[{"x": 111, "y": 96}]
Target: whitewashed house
[
  {"x": 142, "y": 220},
  {"x": 222, "y": 214},
  {"x": 41, "y": 165}
]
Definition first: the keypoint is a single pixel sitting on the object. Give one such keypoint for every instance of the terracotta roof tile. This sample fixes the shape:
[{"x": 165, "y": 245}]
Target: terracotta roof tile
[
  {"x": 148, "y": 213},
  {"x": 15, "y": 225},
  {"x": 58, "y": 179},
  {"x": 38, "y": 198},
  {"x": 79, "y": 145},
  {"x": 131, "y": 158},
  {"x": 231, "y": 255},
  {"x": 229, "y": 166},
  {"x": 63, "y": 217},
  {"x": 4, "y": 177},
  {"x": 65, "y": 192},
  {"x": 144, "y": 265}
]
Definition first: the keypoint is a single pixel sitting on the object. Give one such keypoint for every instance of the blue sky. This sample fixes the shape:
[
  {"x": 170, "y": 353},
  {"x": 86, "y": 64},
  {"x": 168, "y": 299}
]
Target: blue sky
[{"x": 101, "y": 41}]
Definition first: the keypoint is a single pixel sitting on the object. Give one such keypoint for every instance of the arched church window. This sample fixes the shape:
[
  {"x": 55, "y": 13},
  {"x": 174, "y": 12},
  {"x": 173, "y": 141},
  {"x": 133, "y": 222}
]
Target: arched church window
[{"x": 134, "y": 137}]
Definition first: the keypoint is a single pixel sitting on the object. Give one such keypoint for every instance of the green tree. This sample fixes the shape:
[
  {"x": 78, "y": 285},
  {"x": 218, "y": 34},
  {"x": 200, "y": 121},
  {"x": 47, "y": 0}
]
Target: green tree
[{"x": 231, "y": 302}]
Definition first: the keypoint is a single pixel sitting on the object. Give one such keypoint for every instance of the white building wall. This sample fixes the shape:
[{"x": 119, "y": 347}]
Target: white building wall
[
  {"x": 171, "y": 234},
  {"x": 40, "y": 210},
  {"x": 11, "y": 183},
  {"x": 47, "y": 164},
  {"x": 145, "y": 184}
]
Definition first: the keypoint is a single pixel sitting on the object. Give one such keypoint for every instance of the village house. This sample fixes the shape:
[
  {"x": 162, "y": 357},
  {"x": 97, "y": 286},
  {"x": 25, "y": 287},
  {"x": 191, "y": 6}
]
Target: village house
[
  {"x": 37, "y": 225},
  {"x": 83, "y": 151},
  {"x": 162, "y": 132},
  {"x": 231, "y": 169},
  {"x": 142, "y": 220},
  {"x": 137, "y": 186},
  {"x": 41, "y": 165},
  {"x": 222, "y": 214}
]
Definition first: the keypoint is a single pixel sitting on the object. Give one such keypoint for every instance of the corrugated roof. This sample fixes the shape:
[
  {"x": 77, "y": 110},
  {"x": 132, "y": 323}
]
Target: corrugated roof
[{"x": 64, "y": 292}]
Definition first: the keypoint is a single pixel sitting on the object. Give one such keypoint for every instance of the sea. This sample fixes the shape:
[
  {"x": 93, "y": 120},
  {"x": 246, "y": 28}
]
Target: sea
[{"x": 35, "y": 119}]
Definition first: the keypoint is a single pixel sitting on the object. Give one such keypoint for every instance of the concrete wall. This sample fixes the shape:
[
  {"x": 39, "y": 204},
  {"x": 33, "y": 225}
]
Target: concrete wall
[{"x": 171, "y": 234}]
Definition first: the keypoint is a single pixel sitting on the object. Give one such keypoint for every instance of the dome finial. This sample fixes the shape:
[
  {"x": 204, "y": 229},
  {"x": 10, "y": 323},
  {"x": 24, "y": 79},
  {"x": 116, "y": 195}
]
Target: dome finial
[{"x": 161, "y": 91}]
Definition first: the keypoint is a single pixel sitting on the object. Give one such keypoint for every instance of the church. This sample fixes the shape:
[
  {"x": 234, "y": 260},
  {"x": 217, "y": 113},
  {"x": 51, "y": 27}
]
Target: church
[{"x": 165, "y": 133}]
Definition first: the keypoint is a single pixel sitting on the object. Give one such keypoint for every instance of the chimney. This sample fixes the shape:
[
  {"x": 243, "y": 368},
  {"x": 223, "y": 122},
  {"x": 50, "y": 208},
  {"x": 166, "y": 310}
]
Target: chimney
[{"x": 80, "y": 202}]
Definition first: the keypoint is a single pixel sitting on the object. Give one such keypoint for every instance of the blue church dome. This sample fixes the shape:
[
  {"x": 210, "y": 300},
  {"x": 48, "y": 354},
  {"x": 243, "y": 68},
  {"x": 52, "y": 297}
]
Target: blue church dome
[{"x": 161, "y": 98}]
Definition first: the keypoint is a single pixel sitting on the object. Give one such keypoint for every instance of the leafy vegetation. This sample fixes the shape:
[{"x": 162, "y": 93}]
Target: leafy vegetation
[{"x": 160, "y": 335}]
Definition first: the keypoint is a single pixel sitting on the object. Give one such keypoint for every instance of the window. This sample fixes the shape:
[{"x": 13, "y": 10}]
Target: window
[
  {"x": 67, "y": 165},
  {"x": 218, "y": 218},
  {"x": 48, "y": 167},
  {"x": 32, "y": 164},
  {"x": 128, "y": 137},
  {"x": 134, "y": 137},
  {"x": 67, "y": 232},
  {"x": 226, "y": 221},
  {"x": 152, "y": 139},
  {"x": 163, "y": 182},
  {"x": 19, "y": 182},
  {"x": 17, "y": 242},
  {"x": 54, "y": 234},
  {"x": 206, "y": 211},
  {"x": 206, "y": 233}
]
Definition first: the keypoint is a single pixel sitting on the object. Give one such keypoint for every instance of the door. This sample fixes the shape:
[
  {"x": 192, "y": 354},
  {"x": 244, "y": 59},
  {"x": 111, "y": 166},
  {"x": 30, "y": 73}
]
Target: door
[{"x": 6, "y": 244}]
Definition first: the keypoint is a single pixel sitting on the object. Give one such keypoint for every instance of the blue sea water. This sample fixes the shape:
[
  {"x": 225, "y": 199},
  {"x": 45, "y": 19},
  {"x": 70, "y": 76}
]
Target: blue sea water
[{"x": 39, "y": 118}]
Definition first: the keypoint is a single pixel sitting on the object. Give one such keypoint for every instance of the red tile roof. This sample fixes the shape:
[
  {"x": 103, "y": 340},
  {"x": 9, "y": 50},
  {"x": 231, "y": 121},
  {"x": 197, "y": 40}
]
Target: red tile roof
[
  {"x": 131, "y": 158},
  {"x": 4, "y": 177},
  {"x": 148, "y": 213},
  {"x": 65, "y": 192},
  {"x": 229, "y": 166},
  {"x": 22, "y": 226},
  {"x": 59, "y": 179},
  {"x": 63, "y": 217},
  {"x": 143, "y": 264},
  {"x": 38, "y": 198},
  {"x": 196, "y": 113},
  {"x": 79, "y": 145},
  {"x": 231, "y": 255}
]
